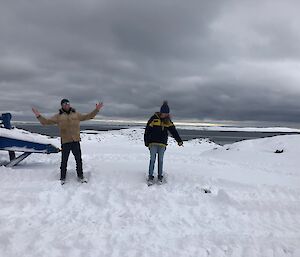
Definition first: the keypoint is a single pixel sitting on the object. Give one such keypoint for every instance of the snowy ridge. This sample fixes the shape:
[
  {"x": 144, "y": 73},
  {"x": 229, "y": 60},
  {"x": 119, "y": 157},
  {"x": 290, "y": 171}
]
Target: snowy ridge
[
  {"x": 253, "y": 210},
  {"x": 241, "y": 129}
]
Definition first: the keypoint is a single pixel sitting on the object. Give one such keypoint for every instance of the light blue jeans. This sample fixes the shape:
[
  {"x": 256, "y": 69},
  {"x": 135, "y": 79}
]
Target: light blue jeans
[{"x": 159, "y": 150}]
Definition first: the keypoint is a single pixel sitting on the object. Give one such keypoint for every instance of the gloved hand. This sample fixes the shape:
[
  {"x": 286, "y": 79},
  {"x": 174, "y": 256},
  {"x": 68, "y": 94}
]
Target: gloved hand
[{"x": 180, "y": 143}]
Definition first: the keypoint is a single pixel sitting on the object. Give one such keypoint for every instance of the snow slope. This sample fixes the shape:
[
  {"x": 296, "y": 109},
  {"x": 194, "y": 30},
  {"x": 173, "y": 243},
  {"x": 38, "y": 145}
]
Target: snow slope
[
  {"x": 253, "y": 210},
  {"x": 241, "y": 129}
]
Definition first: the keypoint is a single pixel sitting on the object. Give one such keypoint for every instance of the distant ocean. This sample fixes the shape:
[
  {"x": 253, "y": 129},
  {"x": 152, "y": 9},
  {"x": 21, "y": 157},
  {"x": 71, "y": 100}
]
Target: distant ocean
[{"x": 219, "y": 137}]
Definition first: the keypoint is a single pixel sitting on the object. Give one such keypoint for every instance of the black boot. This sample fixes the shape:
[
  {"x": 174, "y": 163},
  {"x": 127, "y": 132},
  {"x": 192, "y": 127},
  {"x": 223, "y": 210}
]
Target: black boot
[
  {"x": 150, "y": 180},
  {"x": 160, "y": 179}
]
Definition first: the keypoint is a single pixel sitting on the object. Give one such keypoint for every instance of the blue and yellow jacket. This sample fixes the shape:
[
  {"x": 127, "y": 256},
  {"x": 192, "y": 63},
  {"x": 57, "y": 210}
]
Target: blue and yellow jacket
[{"x": 156, "y": 131}]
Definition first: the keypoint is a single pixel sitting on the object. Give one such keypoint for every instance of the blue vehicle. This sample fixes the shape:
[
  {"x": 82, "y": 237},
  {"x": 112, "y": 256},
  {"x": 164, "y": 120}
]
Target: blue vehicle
[{"x": 11, "y": 143}]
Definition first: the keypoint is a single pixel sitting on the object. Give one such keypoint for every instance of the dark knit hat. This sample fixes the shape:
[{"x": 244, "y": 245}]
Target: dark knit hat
[
  {"x": 63, "y": 101},
  {"x": 165, "y": 108}
]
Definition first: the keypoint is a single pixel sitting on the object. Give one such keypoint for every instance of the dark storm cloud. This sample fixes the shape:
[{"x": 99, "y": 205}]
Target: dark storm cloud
[{"x": 213, "y": 60}]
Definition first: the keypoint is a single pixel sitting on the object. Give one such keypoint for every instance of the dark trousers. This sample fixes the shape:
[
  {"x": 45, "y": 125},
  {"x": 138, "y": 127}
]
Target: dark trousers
[{"x": 66, "y": 148}]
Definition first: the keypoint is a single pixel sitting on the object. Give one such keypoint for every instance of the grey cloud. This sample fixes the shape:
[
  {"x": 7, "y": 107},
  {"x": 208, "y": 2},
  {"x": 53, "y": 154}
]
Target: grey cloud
[{"x": 213, "y": 60}]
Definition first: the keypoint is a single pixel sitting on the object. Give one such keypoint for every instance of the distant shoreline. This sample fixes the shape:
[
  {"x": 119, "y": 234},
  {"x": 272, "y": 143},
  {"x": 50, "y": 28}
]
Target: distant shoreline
[{"x": 219, "y": 135}]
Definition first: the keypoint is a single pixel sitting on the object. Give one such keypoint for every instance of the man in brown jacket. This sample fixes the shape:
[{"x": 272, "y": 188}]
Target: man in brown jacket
[{"x": 68, "y": 122}]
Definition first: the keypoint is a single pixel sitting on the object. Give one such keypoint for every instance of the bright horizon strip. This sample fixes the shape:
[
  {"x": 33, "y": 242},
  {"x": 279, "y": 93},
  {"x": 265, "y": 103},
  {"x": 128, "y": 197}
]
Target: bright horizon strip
[
  {"x": 142, "y": 122},
  {"x": 181, "y": 123}
]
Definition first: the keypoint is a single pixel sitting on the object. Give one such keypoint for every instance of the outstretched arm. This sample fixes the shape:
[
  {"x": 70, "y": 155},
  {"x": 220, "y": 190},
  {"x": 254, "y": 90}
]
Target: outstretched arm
[
  {"x": 92, "y": 114},
  {"x": 53, "y": 120},
  {"x": 175, "y": 134}
]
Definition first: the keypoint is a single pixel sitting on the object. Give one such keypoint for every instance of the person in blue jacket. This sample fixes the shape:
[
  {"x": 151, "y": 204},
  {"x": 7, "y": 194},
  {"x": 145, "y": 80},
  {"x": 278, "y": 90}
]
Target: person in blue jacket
[{"x": 156, "y": 138}]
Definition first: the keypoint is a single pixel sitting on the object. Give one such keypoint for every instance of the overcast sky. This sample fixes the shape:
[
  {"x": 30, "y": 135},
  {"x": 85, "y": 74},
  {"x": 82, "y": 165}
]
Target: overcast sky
[{"x": 212, "y": 60}]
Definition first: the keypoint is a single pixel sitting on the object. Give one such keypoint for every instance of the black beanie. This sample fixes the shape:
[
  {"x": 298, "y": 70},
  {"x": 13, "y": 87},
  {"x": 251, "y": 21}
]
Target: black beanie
[
  {"x": 165, "y": 108},
  {"x": 63, "y": 101}
]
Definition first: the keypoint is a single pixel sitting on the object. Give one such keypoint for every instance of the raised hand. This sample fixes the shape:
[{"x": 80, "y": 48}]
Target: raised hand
[
  {"x": 36, "y": 112},
  {"x": 99, "y": 106}
]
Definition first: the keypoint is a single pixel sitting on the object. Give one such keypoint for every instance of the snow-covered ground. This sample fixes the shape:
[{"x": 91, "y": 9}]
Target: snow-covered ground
[
  {"x": 240, "y": 129},
  {"x": 253, "y": 210}
]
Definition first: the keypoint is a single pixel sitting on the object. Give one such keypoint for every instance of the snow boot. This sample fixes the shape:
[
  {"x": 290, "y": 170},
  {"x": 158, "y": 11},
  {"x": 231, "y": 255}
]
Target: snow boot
[
  {"x": 150, "y": 180},
  {"x": 83, "y": 180},
  {"x": 161, "y": 180}
]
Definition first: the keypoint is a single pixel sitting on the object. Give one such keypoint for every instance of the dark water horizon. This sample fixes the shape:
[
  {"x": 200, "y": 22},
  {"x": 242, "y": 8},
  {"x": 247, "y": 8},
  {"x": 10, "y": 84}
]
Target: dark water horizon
[{"x": 218, "y": 137}]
